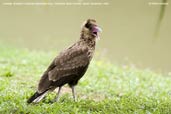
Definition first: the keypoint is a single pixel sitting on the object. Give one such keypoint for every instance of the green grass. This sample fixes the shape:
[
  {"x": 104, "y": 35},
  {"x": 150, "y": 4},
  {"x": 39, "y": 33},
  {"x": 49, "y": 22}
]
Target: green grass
[{"x": 105, "y": 88}]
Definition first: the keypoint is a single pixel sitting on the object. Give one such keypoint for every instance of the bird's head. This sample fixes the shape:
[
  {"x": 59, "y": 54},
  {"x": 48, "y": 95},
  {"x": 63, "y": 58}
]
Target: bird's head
[{"x": 90, "y": 29}]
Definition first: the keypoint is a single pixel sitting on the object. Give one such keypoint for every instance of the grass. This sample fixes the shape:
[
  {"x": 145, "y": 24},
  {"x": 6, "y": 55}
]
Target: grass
[{"x": 105, "y": 88}]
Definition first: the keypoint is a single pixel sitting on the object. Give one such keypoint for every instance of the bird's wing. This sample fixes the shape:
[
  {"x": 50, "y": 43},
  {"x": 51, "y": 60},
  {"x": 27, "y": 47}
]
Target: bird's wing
[{"x": 67, "y": 63}]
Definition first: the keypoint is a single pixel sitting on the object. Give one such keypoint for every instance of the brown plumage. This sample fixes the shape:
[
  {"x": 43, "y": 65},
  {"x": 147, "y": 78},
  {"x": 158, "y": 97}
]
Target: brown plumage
[{"x": 70, "y": 65}]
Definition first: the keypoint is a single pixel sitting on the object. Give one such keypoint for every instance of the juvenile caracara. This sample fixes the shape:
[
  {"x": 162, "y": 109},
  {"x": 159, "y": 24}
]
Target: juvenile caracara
[{"x": 70, "y": 65}]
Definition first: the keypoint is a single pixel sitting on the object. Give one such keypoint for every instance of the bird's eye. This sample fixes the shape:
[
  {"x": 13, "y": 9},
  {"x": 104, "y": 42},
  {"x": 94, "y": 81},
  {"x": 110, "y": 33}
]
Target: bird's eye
[{"x": 87, "y": 25}]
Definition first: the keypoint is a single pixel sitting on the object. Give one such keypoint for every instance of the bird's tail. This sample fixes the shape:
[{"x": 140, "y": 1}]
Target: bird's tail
[{"x": 37, "y": 97}]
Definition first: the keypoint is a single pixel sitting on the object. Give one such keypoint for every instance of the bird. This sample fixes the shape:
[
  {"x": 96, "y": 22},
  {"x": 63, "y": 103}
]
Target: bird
[{"x": 70, "y": 64}]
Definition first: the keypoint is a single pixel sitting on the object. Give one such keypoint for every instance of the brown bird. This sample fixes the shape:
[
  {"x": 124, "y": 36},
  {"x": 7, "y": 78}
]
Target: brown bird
[{"x": 70, "y": 65}]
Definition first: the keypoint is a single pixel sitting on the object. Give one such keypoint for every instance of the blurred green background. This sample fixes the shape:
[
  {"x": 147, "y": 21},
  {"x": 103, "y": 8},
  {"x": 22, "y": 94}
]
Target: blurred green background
[{"x": 127, "y": 37}]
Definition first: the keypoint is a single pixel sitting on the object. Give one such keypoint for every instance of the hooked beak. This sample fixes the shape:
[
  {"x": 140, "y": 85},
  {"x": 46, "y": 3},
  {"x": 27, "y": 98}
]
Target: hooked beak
[{"x": 96, "y": 30}]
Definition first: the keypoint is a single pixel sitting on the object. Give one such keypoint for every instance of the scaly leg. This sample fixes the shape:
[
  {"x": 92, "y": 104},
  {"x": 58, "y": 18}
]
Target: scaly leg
[
  {"x": 57, "y": 97},
  {"x": 73, "y": 92}
]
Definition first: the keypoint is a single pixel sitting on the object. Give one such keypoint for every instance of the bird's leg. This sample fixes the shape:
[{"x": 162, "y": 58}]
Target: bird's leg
[
  {"x": 73, "y": 92},
  {"x": 57, "y": 97}
]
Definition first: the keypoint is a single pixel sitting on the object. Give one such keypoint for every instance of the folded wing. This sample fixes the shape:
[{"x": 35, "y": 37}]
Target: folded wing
[{"x": 70, "y": 62}]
